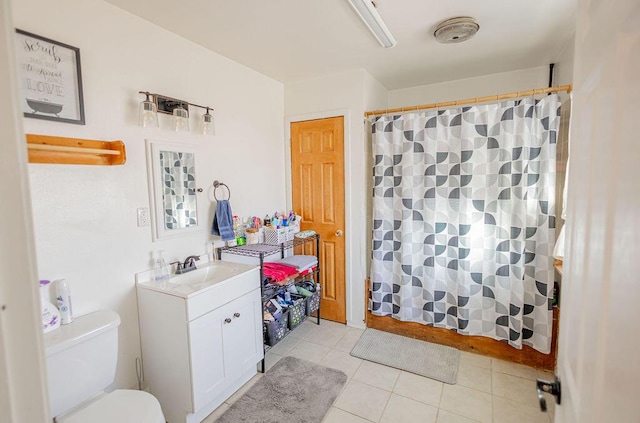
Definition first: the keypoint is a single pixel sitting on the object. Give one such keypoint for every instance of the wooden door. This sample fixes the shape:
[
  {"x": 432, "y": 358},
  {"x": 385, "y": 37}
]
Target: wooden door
[
  {"x": 317, "y": 173},
  {"x": 599, "y": 343}
]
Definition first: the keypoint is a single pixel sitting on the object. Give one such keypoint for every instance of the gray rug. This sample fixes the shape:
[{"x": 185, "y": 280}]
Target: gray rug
[
  {"x": 293, "y": 390},
  {"x": 423, "y": 358}
]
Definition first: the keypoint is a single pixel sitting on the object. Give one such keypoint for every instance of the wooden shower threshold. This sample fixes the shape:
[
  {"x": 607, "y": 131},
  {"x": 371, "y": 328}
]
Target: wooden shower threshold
[{"x": 475, "y": 344}]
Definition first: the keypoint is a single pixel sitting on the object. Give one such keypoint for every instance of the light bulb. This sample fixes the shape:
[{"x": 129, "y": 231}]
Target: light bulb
[
  {"x": 180, "y": 119},
  {"x": 148, "y": 115},
  {"x": 207, "y": 126}
]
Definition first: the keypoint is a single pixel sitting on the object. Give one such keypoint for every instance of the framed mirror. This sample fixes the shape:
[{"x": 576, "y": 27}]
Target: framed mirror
[{"x": 171, "y": 169}]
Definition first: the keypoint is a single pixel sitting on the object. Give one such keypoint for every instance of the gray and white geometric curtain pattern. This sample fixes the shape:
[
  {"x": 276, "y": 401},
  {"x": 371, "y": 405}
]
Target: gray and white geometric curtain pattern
[{"x": 464, "y": 219}]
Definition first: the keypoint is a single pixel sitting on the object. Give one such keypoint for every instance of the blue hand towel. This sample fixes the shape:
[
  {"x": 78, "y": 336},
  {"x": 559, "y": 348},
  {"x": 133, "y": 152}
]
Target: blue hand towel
[{"x": 223, "y": 221}]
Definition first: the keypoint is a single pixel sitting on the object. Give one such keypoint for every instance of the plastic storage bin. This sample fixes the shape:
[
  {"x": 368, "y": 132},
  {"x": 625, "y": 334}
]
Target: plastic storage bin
[
  {"x": 276, "y": 330},
  {"x": 297, "y": 311},
  {"x": 275, "y": 236},
  {"x": 313, "y": 302}
]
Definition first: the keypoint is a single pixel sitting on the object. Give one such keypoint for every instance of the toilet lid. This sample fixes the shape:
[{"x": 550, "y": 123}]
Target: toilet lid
[{"x": 122, "y": 406}]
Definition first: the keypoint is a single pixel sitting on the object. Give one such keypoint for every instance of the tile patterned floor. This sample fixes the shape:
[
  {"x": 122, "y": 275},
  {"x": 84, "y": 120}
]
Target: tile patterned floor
[{"x": 488, "y": 390}]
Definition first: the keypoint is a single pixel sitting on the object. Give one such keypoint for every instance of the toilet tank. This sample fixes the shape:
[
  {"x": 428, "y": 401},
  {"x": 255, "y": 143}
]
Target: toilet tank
[{"x": 81, "y": 359}]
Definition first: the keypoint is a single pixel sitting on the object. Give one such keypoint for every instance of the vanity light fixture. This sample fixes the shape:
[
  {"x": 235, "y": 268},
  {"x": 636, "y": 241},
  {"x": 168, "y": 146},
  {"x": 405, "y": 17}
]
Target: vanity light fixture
[
  {"x": 179, "y": 109},
  {"x": 366, "y": 9}
]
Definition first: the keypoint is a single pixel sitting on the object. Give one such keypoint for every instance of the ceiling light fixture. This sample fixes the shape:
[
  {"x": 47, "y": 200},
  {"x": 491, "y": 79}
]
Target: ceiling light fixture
[
  {"x": 456, "y": 30},
  {"x": 366, "y": 9}
]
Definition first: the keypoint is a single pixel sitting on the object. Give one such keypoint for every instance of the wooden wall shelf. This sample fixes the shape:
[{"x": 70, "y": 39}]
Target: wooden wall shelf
[{"x": 60, "y": 150}]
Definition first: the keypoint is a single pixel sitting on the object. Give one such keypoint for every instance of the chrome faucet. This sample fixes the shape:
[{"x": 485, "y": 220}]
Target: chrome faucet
[{"x": 188, "y": 265}]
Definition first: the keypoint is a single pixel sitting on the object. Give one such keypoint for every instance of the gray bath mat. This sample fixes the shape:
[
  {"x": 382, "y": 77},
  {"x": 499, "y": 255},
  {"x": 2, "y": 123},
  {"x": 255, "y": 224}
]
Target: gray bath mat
[
  {"x": 423, "y": 358},
  {"x": 293, "y": 390}
]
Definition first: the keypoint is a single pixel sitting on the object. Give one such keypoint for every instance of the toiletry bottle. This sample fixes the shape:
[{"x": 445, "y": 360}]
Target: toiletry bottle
[
  {"x": 50, "y": 314},
  {"x": 161, "y": 271},
  {"x": 63, "y": 297}
]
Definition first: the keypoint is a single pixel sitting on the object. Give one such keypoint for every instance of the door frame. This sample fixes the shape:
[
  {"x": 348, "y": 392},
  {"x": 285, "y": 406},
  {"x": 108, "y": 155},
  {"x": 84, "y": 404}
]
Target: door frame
[{"x": 350, "y": 241}]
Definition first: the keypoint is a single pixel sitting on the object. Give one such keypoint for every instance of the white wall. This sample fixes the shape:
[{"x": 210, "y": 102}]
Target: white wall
[
  {"x": 345, "y": 94},
  {"x": 85, "y": 216},
  {"x": 564, "y": 64},
  {"x": 496, "y": 83}
]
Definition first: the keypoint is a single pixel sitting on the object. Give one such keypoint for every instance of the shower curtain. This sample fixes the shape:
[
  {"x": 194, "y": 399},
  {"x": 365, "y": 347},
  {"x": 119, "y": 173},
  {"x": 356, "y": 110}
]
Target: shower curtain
[{"x": 464, "y": 220}]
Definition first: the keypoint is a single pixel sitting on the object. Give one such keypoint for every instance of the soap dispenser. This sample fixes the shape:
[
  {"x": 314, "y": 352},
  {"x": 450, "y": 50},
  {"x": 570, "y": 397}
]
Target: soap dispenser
[
  {"x": 50, "y": 313},
  {"x": 161, "y": 271}
]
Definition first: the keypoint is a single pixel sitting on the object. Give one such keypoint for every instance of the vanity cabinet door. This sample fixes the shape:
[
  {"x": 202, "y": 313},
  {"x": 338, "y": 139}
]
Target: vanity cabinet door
[
  {"x": 207, "y": 359},
  {"x": 224, "y": 343},
  {"x": 240, "y": 330}
]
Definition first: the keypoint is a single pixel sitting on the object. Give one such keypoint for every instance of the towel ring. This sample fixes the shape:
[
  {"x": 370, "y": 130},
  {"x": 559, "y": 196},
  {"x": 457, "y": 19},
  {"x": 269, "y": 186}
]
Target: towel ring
[{"x": 218, "y": 184}]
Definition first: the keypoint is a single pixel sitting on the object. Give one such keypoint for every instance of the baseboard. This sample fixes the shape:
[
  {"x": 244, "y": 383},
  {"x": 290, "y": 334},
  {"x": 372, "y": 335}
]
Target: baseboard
[{"x": 476, "y": 344}]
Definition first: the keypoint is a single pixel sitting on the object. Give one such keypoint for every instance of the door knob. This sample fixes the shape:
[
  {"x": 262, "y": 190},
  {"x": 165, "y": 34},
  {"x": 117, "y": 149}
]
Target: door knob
[
  {"x": 236, "y": 314},
  {"x": 552, "y": 388},
  {"x": 227, "y": 320},
  {"x": 339, "y": 233}
]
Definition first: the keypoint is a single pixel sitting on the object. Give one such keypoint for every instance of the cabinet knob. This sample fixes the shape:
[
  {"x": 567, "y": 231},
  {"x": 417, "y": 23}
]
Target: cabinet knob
[
  {"x": 227, "y": 320},
  {"x": 236, "y": 314}
]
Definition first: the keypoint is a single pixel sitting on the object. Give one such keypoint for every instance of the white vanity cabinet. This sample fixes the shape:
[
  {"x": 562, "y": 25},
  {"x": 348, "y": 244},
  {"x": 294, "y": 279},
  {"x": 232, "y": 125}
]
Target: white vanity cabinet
[{"x": 200, "y": 343}]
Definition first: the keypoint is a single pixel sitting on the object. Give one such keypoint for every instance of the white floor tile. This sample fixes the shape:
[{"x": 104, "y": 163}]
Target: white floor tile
[
  {"x": 515, "y": 388},
  {"x": 285, "y": 345},
  {"x": 404, "y": 410},
  {"x": 377, "y": 375},
  {"x": 475, "y": 360},
  {"x": 331, "y": 324},
  {"x": 335, "y": 415},
  {"x": 363, "y": 400},
  {"x": 342, "y": 361},
  {"x": 349, "y": 340},
  {"x": 307, "y": 327},
  {"x": 474, "y": 377},
  {"x": 419, "y": 388},
  {"x": 467, "y": 402},
  {"x": 271, "y": 359},
  {"x": 545, "y": 374},
  {"x": 308, "y": 351},
  {"x": 216, "y": 413},
  {"x": 508, "y": 411},
  {"x": 445, "y": 416},
  {"x": 513, "y": 369},
  {"x": 326, "y": 336}
]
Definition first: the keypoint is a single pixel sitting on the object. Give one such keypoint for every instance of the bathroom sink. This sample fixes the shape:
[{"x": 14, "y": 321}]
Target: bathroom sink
[{"x": 204, "y": 278}]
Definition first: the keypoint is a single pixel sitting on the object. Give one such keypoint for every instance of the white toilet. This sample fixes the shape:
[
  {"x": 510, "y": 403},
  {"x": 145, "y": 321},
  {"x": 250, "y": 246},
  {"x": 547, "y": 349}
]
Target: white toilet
[{"x": 81, "y": 364}]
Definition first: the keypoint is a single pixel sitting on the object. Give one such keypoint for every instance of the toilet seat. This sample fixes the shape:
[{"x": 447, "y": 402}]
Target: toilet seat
[{"x": 122, "y": 406}]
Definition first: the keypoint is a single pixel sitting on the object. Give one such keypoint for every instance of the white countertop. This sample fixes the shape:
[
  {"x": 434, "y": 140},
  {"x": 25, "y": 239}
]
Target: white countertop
[{"x": 197, "y": 281}]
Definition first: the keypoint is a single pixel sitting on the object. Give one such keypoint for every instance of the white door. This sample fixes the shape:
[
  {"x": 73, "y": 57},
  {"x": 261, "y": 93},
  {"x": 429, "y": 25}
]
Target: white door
[
  {"x": 23, "y": 386},
  {"x": 599, "y": 344}
]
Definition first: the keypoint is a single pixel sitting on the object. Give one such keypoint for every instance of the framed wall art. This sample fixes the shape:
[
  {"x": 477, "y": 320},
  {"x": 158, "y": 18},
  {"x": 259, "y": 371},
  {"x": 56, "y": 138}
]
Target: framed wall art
[{"x": 50, "y": 79}]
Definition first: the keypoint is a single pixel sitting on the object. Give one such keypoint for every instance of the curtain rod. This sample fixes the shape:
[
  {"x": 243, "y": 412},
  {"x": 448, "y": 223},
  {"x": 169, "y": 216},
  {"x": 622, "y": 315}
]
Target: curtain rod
[{"x": 497, "y": 97}]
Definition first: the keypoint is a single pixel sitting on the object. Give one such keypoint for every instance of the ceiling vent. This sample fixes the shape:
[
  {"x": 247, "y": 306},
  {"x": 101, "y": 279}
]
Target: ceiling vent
[{"x": 456, "y": 30}]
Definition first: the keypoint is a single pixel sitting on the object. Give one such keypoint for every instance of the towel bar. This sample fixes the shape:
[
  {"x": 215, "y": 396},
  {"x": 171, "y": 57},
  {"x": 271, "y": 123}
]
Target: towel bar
[{"x": 218, "y": 184}]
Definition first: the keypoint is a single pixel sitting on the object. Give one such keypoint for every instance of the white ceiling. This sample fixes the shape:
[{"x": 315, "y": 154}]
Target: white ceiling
[{"x": 292, "y": 40}]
